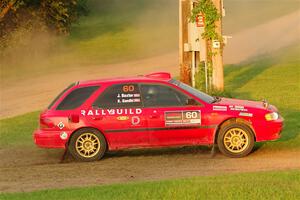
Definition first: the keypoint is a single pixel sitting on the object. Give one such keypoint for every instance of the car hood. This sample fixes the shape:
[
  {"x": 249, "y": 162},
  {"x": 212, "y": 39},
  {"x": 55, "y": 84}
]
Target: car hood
[{"x": 239, "y": 102}]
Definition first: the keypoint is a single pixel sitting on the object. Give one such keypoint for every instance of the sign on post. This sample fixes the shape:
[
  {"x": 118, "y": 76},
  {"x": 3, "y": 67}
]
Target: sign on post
[{"x": 200, "y": 21}]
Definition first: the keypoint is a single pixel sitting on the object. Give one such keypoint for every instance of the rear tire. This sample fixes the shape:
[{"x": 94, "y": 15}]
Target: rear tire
[
  {"x": 87, "y": 145},
  {"x": 235, "y": 140}
]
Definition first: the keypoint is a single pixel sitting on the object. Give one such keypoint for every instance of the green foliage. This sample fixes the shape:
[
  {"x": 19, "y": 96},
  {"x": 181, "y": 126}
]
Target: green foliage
[
  {"x": 34, "y": 15},
  {"x": 15, "y": 4},
  {"x": 255, "y": 185},
  {"x": 211, "y": 15},
  {"x": 200, "y": 78},
  {"x": 59, "y": 15},
  {"x": 200, "y": 82}
]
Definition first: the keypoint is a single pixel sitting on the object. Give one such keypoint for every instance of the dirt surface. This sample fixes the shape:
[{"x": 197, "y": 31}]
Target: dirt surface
[
  {"x": 26, "y": 95},
  {"x": 30, "y": 169}
]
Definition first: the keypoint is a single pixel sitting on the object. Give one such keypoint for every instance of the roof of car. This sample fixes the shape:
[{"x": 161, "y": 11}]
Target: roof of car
[{"x": 158, "y": 76}]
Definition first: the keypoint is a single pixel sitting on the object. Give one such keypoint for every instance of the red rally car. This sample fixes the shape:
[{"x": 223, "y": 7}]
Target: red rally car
[{"x": 91, "y": 117}]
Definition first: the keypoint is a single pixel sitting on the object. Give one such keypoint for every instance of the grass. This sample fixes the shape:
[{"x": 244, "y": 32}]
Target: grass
[
  {"x": 17, "y": 131},
  {"x": 276, "y": 78},
  {"x": 259, "y": 185}
]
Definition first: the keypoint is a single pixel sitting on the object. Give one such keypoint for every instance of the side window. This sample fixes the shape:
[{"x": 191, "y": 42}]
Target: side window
[
  {"x": 60, "y": 94},
  {"x": 76, "y": 98},
  {"x": 119, "y": 96},
  {"x": 161, "y": 96}
]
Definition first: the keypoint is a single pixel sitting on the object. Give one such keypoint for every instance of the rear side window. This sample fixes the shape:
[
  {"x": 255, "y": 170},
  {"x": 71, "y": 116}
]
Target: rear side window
[
  {"x": 76, "y": 98},
  {"x": 119, "y": 96},
  {"x": 60, "y": 94}
]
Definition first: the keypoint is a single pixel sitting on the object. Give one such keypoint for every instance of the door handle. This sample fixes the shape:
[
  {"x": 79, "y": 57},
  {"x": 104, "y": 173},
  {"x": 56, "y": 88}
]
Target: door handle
[{"x": 154, "y": 116}]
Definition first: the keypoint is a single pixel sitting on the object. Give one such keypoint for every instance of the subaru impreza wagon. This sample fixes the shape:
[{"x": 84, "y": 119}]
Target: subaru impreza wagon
[{"x": 89, "y": 118}]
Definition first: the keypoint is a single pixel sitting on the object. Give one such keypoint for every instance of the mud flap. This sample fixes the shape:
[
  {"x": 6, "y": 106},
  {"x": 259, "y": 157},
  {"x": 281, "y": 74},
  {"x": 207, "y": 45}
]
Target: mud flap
[
  {"x": 213, "y": 151},
  {"x": 65, "y": 155}
]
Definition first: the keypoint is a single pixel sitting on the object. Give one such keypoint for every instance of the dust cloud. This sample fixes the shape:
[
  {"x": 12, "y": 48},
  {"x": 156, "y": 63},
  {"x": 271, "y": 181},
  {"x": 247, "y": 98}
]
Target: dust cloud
[
  {"x": 263, "y": 39},
  {"x": 28, "y": 51},
  {"x": 151, "y": 26},
  {"x": 155, "y": 22}
]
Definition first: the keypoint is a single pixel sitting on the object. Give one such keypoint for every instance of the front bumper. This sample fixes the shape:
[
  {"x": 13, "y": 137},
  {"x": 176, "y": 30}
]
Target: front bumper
[
  {"x": 269, "y": 130},
  {"x": 50, "y": 139}
]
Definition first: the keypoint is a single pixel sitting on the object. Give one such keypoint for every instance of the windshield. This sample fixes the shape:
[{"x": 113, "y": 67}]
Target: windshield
[
  {"x": 60, "y": 94},
  {"x": 201, "y": 95}
]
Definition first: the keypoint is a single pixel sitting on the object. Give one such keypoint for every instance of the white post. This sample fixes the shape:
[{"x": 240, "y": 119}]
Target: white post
[
  {"x": 193, "y": 72},
  {"x": 206, "y": 77}
]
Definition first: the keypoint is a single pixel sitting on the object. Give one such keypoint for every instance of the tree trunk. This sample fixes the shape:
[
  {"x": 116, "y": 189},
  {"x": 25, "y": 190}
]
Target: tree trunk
[{"x": 6, "y": 9}]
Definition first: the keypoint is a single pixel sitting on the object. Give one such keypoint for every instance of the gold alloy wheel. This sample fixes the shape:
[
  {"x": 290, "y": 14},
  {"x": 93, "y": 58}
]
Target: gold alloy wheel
[
  {"x": 87, "y": 145},
  {"x": 236, "y": 140}
]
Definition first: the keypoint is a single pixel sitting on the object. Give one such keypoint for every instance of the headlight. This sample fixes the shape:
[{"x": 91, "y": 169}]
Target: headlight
[{"x": 272, "y": 116}]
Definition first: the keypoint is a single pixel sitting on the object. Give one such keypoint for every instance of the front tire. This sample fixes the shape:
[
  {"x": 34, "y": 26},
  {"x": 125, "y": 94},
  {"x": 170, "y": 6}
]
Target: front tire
[
  {"x": 87, "y": 144},
  {"x": 235, "y": 140}
]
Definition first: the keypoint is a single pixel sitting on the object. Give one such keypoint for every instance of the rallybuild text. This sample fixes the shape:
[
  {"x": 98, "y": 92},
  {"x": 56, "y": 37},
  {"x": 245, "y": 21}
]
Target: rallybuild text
[{"x": 118, "y": 111}]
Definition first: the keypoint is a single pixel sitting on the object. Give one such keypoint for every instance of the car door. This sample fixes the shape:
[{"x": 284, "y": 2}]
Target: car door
[
  {"x": 118, "y": 112},
  {"x": 170, "y": 120}
]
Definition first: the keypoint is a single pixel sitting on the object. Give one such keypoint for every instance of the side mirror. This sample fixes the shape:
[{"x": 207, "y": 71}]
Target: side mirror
[
  {"x": 74, "y": 118},
  {"x": 191, "y": 102}
]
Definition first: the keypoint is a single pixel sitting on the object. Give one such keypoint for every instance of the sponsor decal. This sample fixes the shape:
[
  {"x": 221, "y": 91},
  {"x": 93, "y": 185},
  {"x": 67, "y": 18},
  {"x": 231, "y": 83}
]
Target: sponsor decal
[
  {"x": 60, "y": 125},
  {"x": 135, "y": 120},
  {"x": 63, "y": 135},
  {"x": 122, "y": 118},
  {"x": 237, "y": 108},
  {"x": 246, "y": 114},
  {"x": 220, "y": 108},
  {"x": 112, "y": 112},
  {"x": 183, "y": 118}
]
